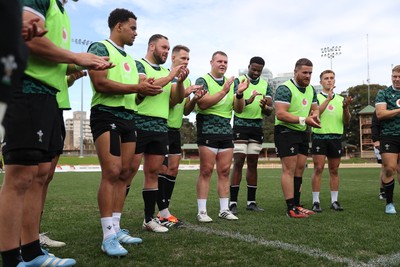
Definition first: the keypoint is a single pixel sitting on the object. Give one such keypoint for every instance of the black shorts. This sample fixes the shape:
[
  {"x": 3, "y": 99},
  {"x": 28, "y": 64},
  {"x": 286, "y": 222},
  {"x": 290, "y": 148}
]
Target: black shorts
[
  {"x": 104, "y": 121},
  {"x": 32, "y": 122},
  {"x": 390, "y": 144},
  {"x": 216, "y": 141},
  {"x": 332, "y": 148},
  {"x": 290, "y": 142},
  {"x": 174, "y": 141},
  {"x": 153, "y": 143},
  {"x": 248, "y": 134}
]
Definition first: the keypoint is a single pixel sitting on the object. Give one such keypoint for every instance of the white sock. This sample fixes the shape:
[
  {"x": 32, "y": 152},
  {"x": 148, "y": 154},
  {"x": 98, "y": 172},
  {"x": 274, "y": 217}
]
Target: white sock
[
  {"x": 334, "y": 196},
  {"x": 223, "y": 203},
  {"x": 249, "y": 202},
  {"x": 165, "y": 213},
  {"x": 116, "y": 218},
  {"x": 232, "y": 202},
  {"x": 315, "y": 197},
  {"x": 202, "y": 205},
  {"x": 107, "y": 226}
]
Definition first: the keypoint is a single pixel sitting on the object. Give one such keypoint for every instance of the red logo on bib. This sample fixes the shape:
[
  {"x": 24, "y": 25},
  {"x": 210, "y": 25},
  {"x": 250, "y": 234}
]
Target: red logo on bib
[
  {"x": 64, "y": 34},
  {"x": 304, "y": 102},
  {"x": 398, "y": 103},
  {"x": 127, "y": 68},
  {"x": 331, "y": 107}
]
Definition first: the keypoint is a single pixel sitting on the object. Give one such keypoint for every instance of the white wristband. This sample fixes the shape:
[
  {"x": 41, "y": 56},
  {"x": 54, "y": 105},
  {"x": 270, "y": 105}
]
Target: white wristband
[{"x": 302, "y": 121}]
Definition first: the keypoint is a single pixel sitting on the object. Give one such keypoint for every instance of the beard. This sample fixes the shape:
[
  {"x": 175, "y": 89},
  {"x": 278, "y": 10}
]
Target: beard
[{"x": 158, "y": 57}]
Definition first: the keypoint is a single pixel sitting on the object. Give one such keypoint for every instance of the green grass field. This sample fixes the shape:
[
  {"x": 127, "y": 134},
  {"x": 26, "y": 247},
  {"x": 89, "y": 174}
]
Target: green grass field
[{"x": 361, "y": 235}]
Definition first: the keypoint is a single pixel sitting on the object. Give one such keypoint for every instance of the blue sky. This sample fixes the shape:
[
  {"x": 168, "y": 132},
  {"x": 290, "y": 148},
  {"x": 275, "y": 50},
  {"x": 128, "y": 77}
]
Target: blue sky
[{"x": 279, "y": 31}]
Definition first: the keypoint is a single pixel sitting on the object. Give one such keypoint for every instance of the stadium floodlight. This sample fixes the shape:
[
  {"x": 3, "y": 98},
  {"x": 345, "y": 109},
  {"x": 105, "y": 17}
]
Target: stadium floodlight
[
  {"x": 83, "y": 43},
  {"x": 331, "y": 52}
]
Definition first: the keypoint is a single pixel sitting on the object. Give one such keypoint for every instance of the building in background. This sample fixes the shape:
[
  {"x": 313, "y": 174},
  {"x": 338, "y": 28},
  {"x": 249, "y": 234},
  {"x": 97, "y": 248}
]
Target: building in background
[
  {"x": 366, "y": 143},
  {"x": 73, "y": 132}
]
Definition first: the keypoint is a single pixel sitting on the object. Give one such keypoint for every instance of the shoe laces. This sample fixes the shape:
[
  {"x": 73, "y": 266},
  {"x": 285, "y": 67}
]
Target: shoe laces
[
  {"x": 112, "y": 242},
  {"x": 44, "y": 238},
  {"x": 125, "y": 231}
]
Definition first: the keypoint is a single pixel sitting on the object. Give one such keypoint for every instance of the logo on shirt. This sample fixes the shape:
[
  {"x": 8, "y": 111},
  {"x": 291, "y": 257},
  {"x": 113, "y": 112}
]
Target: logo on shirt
[
  {"x": 331, "y": 107},
  {"x": 9, "y": 65},
  {"x": 40, "y": 135},
  {"x": 127, "y": 67},
  {"x": 64, "y": 34},
  {"x": 398, "y": 103},
  {"x": 304, "y": 102}
]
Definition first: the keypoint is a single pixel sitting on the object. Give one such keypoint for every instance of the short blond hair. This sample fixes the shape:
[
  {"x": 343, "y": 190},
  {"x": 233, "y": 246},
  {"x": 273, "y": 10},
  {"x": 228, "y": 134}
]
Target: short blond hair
[{"x": 396, "y": 69}]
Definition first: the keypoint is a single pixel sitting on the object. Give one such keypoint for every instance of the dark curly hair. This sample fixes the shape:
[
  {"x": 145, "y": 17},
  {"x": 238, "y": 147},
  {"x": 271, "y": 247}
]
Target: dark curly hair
[{"x": 119, "y": 15}]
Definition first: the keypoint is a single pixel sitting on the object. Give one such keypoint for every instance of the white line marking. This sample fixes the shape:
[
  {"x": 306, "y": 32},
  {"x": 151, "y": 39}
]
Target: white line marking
[
  {"x": 312, "y": 252},
  {"x": 388, "y": 260}
]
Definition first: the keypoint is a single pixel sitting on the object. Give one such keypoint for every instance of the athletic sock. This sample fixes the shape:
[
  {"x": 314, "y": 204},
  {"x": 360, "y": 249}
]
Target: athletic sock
[
  {"x": 223, "y": 203},
  {"x": 11, "y": 257},
  {"x": 107, "y": 226},
  {"x": 202, "y": 205},
  {"x": 290, "y": 204},
  {"x": 165, "y": 213},
  {"x": 334, "y": 196},
  {"x": 128, "y": 187},
  {"x": 297, "y": 189},
  {"x": 161, "y": 203},
  {"x": 169, "y": 187},
  {"x": 251, "y": 193},
  {"x": 149, "y": 198},
  {"x": 389, "y": 187},
  {"x": 234, "y": 192},
  {"x": 116, "y": 218},
  {"x": 31, "y": 250},
  {"x": 315, "y": 197}
]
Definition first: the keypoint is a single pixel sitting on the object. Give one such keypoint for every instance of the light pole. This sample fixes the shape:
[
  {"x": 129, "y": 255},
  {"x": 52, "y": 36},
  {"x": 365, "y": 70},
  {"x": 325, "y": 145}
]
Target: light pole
[
  {"x": 331, "y": 52},
  {"x": 83, "y": 43},
  {"x": 368, "y": 80}
]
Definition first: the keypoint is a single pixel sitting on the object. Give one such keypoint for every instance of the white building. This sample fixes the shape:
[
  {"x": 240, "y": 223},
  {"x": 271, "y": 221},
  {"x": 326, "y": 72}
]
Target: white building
[{"x": 73, "y": 131}]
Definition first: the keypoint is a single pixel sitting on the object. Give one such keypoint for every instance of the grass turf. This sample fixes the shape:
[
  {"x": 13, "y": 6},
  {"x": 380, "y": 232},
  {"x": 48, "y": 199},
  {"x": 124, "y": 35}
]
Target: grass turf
[{"x": 360, "y": 234}]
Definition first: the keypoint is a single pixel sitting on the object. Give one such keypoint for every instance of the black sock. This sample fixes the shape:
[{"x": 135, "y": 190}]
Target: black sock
[
  {"x": 169, "y": 184},
  {"x": 234, "y": 192},
  {"x": 290, "y": 203},
  {"x": 31, "y": 250},
  {"x": 161, "y": 203},
  {"x": 128, "y": 187},
  {"x": 149, "y": 198},
  {"x": 297, "y": 189},
  {"x": 389, "y": 187},
  {"x": 11, "y": 257},
  {"x": 251, "y": 193}
]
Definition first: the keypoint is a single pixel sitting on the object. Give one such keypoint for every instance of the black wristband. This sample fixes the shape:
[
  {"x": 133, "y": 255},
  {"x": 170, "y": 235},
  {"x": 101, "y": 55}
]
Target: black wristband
[
  {"x": 140, "y": 96},
  {"x": 239, "y": 96}
]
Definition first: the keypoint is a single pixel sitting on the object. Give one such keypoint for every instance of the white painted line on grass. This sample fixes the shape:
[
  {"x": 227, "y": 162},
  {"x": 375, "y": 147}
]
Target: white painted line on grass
[
  {"x": 388, "y": 260},
  {"x": 312, "y": 252}
]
